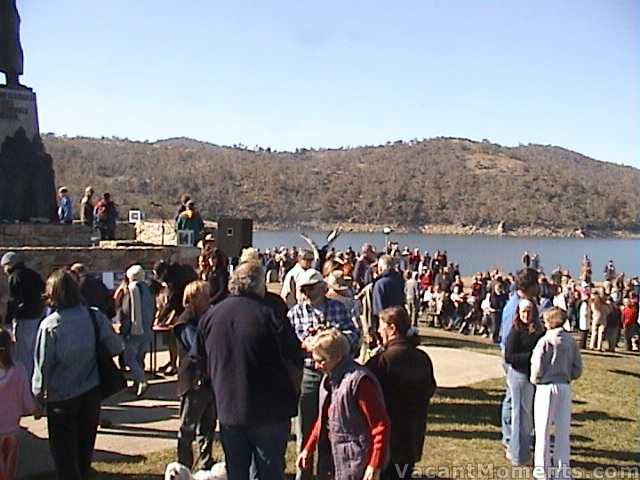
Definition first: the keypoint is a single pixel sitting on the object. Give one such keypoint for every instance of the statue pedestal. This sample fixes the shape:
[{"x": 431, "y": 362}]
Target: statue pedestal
[
  {"x": 18, "y": 108},
  {"x": 27, "y": 191}
]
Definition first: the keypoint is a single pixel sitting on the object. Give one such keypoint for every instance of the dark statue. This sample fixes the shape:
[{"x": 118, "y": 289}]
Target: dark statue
[{"x": 11, "y": 59}]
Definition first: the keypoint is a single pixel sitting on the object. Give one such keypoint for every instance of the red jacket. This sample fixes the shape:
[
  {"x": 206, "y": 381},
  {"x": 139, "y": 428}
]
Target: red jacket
[{"x": 629, "y": 315}]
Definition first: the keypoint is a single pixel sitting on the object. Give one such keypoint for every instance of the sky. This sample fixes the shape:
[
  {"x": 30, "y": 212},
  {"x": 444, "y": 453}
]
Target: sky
[{"x": 287, "y": 74}]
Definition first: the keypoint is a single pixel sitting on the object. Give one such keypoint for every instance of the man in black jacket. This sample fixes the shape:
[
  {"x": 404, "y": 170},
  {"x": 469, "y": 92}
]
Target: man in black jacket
[
  {"x": 25, "y": 308},
  {"x": 406, "y": 377},
  {"x": 250, "y": 351},
  {"x": 93, "y": 291}
]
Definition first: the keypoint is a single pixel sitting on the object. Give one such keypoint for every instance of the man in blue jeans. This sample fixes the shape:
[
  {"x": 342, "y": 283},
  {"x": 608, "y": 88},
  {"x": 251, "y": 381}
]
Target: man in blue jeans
[
  {"x": 250, "y": 352},
  {"x": 526, "y": 287}
]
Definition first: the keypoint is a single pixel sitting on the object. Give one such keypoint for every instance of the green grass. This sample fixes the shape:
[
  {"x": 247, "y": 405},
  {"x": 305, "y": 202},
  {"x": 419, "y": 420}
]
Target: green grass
[{"x": 464, "y": 426}]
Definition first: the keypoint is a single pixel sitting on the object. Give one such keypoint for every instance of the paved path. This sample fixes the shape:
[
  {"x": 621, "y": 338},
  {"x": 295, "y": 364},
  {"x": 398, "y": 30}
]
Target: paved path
[{"x": 150, "y": 424}]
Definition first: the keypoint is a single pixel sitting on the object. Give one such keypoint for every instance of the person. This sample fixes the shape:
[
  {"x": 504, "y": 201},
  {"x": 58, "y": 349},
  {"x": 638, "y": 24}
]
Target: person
[
  {"x": 339, "y": 289},
  {"x": 612, "y": 329},
  {"x": 105, "y": 216},
  {"x": 65, "y": 377},
  {"x": 17, "y": 401},
  {"x": 65, "y": 207},
  {"x": 197, "y": 405},
  {"x": 408, "y": 383},
  {"x": 94, "y": 292},
  {"x": 629, "y": 319},
  {"x": 184, "y": 198},
  {"x": 388, "y": 288},
  {"x": 11, "y": 57},
  {"x": 526, "y": 260},
  {"x": 584, "y": 318},
  {"x": 352, "y": 426},
  {"x": 248, "y": 350},
  {"x": 497, "y": 301},
  {"x": 363, "y": 272},
  {"x": 412, "y": 296},
  {"x": 215, "y": 272},
  {"x": 86, "y": 207},
  {"x": 555, "y": 362},
  {"x": 520, "y": 343},
  {"x": 526, "y": 286},
  {"x": 598, "y": 322},
  {"x": 190, "y": 219},
  {"x": 138, "y": 311},
  {"x": 25, "y": 308},
  {"x": 290, "y": 285},
  {"x": 315, "y": 312},
  {"x": 175, "y": 276}
]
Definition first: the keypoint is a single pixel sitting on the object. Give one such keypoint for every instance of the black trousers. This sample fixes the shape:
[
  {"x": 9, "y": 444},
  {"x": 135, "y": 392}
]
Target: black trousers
[
  {"x": 197, "y": 422},
  {"x": 73, "y": 425}
]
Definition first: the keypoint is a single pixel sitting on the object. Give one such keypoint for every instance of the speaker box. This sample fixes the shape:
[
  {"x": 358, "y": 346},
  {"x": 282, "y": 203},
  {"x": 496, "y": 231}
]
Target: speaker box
[{"x": 233, "y": 235}]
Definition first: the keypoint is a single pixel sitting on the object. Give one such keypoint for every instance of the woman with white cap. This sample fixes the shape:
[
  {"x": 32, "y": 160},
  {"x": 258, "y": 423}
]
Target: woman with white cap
[{"x": 138, "y": 312}]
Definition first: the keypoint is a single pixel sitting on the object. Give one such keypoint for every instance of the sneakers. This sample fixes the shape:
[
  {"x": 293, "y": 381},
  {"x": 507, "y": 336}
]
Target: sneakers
[{"x": 142, "y": 387}]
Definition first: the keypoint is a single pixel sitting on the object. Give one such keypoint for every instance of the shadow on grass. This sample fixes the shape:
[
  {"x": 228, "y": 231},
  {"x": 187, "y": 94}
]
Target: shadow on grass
[
  {"x": 466, "y": 406},
  {"x": 459, "y": 341},
  {"x": 624, "y": 372},
  {"x": 596, "y": 415}
]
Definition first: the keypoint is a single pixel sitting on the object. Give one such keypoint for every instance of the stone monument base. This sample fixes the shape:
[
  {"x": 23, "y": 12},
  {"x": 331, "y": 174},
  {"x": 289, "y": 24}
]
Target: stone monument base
[{"x": 27, "y": 183}]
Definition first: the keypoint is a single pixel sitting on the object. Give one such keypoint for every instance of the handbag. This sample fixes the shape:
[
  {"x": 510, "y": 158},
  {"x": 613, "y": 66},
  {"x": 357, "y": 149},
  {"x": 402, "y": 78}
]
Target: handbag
[{"x": 112, "y": 380}]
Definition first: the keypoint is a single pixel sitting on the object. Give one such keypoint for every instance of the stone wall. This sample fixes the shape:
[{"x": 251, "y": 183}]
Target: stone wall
[
  {"x": 56, "y": 235},
  {"x": 155, "y": 232},
  {"x": 101, "y": 259}
]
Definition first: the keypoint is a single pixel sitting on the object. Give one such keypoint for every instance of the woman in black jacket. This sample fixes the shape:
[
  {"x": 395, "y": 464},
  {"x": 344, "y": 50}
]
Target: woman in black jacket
[{"x": 520, "y": 344}]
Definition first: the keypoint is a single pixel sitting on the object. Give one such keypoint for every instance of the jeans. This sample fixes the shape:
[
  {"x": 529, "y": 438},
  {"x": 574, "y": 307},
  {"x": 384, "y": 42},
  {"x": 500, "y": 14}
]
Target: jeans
[
  {"x": 73, "y": 425},
  {"x": 506, "y": 408},
  {"x": 25, "y": 332},
  {"x": 522, "y": 391},
  {"x": 265, "y": 443},
  {"x": 552, "y": 407},
  {"x": 307, "y": 413},
  {"x": 134, "y": 348},
  {"x": 197, "y": 422}
]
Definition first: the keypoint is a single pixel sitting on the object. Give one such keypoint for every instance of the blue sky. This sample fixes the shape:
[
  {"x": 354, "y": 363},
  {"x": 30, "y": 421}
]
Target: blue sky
[{"x": 303, "y": 73}]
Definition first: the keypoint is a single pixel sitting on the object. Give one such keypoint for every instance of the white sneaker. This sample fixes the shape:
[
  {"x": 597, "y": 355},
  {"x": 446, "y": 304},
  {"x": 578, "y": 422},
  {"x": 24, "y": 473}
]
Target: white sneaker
[{"x": 142, "y": 387}]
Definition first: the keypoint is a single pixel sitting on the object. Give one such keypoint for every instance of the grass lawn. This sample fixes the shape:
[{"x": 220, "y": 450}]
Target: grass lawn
[{"x": 463, "y": 438}]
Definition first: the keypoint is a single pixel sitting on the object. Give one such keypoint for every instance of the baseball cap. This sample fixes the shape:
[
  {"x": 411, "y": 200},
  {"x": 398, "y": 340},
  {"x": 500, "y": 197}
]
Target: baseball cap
[
  {"x": 309, "y": 277},
  {"x": 9, "y": 259}
]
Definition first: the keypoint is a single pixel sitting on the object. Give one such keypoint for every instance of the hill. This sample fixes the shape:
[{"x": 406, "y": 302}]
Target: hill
[{"x": 465, "y": 185}]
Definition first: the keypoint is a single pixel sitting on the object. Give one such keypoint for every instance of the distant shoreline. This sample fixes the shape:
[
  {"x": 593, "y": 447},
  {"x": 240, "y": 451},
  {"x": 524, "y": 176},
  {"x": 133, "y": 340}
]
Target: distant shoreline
[{"x": 467, "y": 230}]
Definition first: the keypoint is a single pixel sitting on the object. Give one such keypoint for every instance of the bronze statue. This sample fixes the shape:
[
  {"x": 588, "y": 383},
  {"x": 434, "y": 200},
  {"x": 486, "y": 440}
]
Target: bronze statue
[{"x": 10, "y": 49}]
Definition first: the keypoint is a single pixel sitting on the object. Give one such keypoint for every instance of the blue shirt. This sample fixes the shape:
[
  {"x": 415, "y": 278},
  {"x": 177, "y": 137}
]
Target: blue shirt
[
  {"x": 65, "y": 353},
  {"x": 306, "y": 318},
  {"x": 65, "y": 212},
  {"x": 388, "y": 291}
]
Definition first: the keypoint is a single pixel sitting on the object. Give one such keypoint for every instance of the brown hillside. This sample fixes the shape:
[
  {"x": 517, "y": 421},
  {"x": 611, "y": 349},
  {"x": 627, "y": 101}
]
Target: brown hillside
[{"x": 437, "y": 181}]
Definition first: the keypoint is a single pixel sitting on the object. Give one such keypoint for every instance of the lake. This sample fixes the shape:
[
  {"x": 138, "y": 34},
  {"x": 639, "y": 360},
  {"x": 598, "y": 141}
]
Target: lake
[{"x": 480, "y": 253}]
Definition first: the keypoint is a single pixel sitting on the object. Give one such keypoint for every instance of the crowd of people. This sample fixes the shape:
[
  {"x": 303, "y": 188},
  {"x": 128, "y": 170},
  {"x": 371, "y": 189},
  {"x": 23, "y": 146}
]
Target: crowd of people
[
  {"x": 101, "y": 215},
  {"x": 335, "y": 351}
]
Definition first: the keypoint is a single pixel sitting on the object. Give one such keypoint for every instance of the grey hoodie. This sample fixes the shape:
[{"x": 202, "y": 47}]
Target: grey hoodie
[{"x": 556, "y": 358}]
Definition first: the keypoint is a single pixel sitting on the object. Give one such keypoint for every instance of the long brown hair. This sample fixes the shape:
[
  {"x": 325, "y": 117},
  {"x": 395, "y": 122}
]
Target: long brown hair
[{"x": 532, "y": 326}]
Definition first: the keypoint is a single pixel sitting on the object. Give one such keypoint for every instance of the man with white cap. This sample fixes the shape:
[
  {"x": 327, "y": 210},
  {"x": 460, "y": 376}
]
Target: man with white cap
[
  {"x": 65, "y": 208},
  {"x": 25, "y": 308},
  {"x": 314, "y": 313}
]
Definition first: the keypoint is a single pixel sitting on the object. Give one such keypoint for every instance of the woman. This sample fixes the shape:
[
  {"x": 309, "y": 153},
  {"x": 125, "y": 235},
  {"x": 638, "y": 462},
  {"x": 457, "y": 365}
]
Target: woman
[
  {"x": 598, "y": 321},
  {"x": 65, "y": 377},
  {"x": 217, "y": 275},
  {"x": 584, "y": 318},
  {"x": 520, "y": 344},
  {"x": 138, "y": 310},
  {"x": 352, "y": 419}
]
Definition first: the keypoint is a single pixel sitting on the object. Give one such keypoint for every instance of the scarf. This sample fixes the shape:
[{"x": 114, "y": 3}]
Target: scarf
[{"x": 136, "y": 309}]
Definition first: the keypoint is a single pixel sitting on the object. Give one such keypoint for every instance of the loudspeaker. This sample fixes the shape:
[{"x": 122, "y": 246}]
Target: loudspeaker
[{"x": 233, "y": 235}]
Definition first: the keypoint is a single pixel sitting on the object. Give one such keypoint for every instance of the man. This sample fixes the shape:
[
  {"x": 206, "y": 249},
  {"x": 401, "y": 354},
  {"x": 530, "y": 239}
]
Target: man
[
  {"x": 190, "y": 219},
  {"x": 247, "y": 349},
  {"x": 105, "y": 215},
  {"x": 93, "y": 291},
  {"x": 183, "y": 206},
  {"x": 406, "y": 377},
  {"x": 65, "y": 208},
  {"x": 290, "y": 283},
  {"x": 526, "y": 285},
  {"x": 362, "y": 272},
  {"x": 412, "y": 296},
  {"x": 25, "y": 308},
  {"x": 316, "y": 312},
  {"x": 11, "y": 58},
  {"x": 86, "y": 207},
  {"x": 388, "y": 288}
]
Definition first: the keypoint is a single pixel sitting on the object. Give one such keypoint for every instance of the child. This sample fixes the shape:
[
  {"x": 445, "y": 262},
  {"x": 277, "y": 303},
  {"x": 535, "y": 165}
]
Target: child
[
  {"x": 15, "y": 391},
  {"x": 555, "y": 362}
]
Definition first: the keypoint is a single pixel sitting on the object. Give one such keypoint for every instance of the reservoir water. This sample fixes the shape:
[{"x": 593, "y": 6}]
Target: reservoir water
[{"x": 480, "y": 253}]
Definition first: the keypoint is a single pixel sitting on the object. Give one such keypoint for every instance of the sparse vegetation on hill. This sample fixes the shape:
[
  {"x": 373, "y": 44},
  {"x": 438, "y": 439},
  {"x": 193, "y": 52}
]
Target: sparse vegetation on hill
[{"x": 407, "y": 184}]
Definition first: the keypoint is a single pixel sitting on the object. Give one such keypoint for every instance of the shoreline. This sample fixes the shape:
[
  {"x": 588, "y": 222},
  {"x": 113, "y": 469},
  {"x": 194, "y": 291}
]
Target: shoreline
[{"x": 460, "y": 230}]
